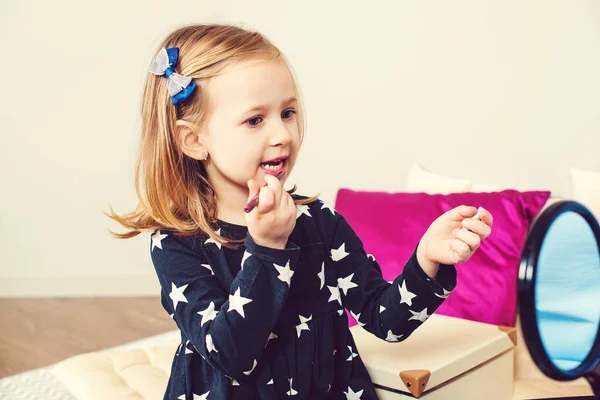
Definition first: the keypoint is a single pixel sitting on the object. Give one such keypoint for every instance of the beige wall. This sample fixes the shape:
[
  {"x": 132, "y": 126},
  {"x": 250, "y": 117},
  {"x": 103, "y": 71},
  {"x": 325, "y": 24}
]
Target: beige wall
[{"x": 468, "y": 88}]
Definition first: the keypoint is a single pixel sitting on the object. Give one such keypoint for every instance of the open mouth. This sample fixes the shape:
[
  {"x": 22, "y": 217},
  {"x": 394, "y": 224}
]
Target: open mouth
[{"x": 274, "y": 166}]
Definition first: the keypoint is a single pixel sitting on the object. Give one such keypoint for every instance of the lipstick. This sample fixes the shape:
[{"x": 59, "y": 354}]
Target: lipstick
[{"x": 254, "y": 201}]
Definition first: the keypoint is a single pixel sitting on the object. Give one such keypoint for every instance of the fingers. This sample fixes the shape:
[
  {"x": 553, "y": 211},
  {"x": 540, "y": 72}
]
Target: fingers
[
  {"x": 289, "y": 201},
  {"x": 486, "y": 217},
  {"x": 266, "y": 200},
  {"x": 269, "y": 195},
  {"x": 478, "y": 227},
  {"x": 461, "y": 212},
  {"x": 272, "y": 193},
  {"x": 472, "y": 240},
  {"x": 481, "y": 226},
  {"x": 275, "y": 185},
  {"x": 461, "y": 248},
  {"x": 467, "y": 239},
  {"x": 253, "y": 188}
]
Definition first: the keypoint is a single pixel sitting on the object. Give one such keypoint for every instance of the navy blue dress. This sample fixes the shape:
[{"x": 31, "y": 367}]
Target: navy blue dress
[{"x": 262, "y": 323}]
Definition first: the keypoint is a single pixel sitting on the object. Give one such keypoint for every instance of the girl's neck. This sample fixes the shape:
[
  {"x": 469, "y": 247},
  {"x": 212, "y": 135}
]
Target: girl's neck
[
  {"x": 231, "y": 215},
  {"x": 230, "y": 204}
]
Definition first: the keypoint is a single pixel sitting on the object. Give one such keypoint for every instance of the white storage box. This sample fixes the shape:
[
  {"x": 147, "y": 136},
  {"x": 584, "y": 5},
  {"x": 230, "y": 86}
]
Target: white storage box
[{"x": 444, "y": 359}]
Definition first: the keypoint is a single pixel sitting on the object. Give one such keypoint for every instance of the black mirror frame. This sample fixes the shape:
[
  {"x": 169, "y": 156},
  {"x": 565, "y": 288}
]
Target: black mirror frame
[{"x": 526, "y": 297}]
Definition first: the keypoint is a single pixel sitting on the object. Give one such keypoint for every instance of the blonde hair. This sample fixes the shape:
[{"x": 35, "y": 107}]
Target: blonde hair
[{"x": 174, "y": 190}]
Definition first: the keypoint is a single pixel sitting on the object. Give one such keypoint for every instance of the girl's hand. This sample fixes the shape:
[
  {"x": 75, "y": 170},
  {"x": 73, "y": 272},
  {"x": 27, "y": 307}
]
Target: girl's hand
[
  {"x": 445, "y": 242},
  {"x": 273, "y": 219}
]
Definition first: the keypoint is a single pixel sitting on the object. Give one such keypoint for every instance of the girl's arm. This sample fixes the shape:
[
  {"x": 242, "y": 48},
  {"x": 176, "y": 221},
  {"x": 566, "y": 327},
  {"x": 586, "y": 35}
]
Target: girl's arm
[
  {"x": 231, "y": 329},
  {"x": 390, "y": 311}
]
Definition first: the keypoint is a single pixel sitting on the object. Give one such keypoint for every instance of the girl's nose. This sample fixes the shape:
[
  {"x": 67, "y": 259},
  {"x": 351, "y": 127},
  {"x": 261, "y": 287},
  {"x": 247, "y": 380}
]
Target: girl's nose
[{"x": 280, "y": 135}]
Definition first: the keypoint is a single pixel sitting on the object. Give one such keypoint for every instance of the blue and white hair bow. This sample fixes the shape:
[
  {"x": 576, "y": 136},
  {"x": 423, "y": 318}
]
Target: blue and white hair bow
[{"x": 180, "y": 87}]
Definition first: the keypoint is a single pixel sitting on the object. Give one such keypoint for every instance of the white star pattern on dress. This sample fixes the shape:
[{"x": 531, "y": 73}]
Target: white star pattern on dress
[
  {"x": 187, "y": 350},
  {"x": 209, "y": 314},
  {"x": 271, "y": 337},
  {"x": 291, "y": 392},
  {"x": 324, "y": 206},
  {"x": 420, "y": 316},
  {"x": 339, "y": 253},
  {"x": 244, "y": 258},
  {"x": 356, "y": 318},
  {"x": 391, "y": 337},
  {"x": 302, "y": 209},
  {"x": 321, "y": 275},
  {"x": 234, "y": 382},
  {"x": 210, "y": 346},
  {"x": 285, "y": 273},
  {"x": 177, "y": 295},
  {"x": 445, "y": 295},
  {"x": 381, "y": 309},
  {"x": 271, "y": 382},
  {"x": 208, "y": 267},
  {"x": 346, "y": 284},
  {"x": 371, "y": 256},
  {"x": 253, "y": 366},
  {"x": 157, "y": 238},
  {"x": 335, "y": 294},
  {"x": 352, "y": 354},
  {"x": 405, "y": 295},
  {"x": 237, "y": 302},
  {"x": 211, "y": 240},
  {"x": 202, "y": 396},
  {"x": 352, "y": 395},
  {"x": 303, "y": 326}
]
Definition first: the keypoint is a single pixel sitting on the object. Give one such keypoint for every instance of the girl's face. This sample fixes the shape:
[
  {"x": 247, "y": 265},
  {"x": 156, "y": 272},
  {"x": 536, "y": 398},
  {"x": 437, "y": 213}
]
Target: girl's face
[{"x": 251, "y": 128}]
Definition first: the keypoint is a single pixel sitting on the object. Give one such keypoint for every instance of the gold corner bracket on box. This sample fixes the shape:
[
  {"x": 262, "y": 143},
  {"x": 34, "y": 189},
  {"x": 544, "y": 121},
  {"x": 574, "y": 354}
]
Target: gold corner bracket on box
[
  {"x": 415, "y": 380},
  {"x": 511, "y": 332}
]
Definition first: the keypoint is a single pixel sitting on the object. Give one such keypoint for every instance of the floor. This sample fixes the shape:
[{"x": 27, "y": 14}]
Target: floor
[{"x": 42, "y": 331}]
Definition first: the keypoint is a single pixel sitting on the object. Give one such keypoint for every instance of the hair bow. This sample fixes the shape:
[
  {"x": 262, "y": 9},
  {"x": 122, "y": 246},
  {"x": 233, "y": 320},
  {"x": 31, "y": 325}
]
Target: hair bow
[{"x": 180, "y": 87}]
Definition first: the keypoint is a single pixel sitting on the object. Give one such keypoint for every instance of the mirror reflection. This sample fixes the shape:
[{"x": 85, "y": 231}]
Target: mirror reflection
[{"x": 567, "y": 291}]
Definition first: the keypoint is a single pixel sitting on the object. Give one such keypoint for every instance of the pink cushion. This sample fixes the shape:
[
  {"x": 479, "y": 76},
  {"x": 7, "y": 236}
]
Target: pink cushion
[{"x": 391, "y": 224}]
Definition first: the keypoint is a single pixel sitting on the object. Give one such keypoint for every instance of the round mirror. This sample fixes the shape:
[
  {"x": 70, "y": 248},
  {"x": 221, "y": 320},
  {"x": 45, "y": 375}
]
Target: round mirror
[{"x": 559, "y": 293}]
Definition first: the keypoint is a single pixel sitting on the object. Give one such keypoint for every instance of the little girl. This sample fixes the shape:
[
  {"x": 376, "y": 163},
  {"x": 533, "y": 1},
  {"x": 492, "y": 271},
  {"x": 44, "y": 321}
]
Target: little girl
[{"x": 256, "y": 277}]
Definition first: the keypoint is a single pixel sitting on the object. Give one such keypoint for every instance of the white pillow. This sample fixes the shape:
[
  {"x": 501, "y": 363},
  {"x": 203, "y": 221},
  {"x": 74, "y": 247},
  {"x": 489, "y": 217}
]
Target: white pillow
[
  {"x": 485, "y": 188},
  {"x": 586, "y": 189},
  {"x": 422, "y": 181}
]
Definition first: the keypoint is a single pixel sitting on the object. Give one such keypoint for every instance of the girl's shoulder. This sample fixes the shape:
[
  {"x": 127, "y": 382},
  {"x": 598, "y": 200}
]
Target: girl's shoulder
[
  {"x": 303, "y": 202},
  {"x": 315, "y": 216},
  {"x": 175, "y": 238},
  {"x": 304, "y": 198}
]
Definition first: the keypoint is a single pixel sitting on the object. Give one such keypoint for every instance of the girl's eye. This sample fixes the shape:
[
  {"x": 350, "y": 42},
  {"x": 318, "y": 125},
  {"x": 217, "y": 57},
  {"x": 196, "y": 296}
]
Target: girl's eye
[
  {"x": 287, "y": 114},
  {"x": 254, "y": 121}
]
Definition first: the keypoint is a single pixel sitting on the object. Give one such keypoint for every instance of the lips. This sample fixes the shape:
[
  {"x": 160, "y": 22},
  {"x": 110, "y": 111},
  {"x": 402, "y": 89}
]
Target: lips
[{"x": 274, "y": 166}]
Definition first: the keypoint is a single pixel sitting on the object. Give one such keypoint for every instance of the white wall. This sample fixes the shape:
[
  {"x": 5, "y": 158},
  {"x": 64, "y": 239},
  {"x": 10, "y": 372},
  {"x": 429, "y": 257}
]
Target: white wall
[{"x": 504, "y": 93}]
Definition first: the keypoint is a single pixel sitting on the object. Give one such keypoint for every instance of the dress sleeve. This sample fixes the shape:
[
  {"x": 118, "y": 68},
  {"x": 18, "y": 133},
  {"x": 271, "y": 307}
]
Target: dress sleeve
[
  {"x": 391, "y": 311},
  {"x": 229, "y": 329}
]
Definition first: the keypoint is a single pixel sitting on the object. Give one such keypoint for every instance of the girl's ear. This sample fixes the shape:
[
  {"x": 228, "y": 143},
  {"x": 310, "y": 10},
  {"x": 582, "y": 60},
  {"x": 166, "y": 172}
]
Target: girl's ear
[{"x": 190, "y": 140}]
